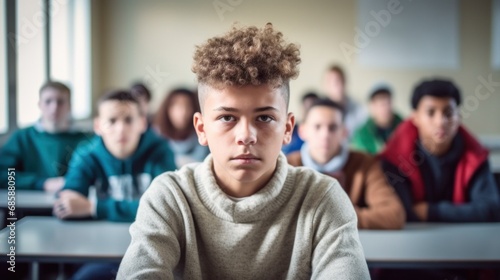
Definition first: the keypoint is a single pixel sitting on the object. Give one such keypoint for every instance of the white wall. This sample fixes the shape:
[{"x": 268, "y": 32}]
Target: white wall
[{"x": 155, "y": 39}]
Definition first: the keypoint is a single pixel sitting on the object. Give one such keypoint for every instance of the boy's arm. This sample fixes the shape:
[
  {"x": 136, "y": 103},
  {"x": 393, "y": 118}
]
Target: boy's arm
[
  {"x": 337, "y": 251},
  {"x": 80, "y": 175},
  {"x": 11, "y": 155},
  {"x": 384, "y": 209},
  {"x": 484, "y": 204},
  {"x": 155, "y": 247}
]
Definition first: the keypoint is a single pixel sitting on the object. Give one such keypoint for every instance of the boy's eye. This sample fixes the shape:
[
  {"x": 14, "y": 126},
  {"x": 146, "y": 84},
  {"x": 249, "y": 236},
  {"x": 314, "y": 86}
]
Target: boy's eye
[
  {"x": 265, "y": 118},
  {"x": 227, "y": 118},
  {"x": 332, "y": 128},
  {"x": 430, "y": 113},
  {"x": 112, "y": 121},
  {"x": 128, "y": 120},
  {"x": 448, "y": 113}
]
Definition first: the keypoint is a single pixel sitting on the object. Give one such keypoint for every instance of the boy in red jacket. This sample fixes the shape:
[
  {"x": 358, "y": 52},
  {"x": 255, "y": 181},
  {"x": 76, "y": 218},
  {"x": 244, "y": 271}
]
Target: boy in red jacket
[{"x": 437, "y": 167}]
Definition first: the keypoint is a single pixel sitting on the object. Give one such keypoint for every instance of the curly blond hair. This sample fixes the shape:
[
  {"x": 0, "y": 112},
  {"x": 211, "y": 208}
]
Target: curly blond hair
[{"x": 247, "y": 56}]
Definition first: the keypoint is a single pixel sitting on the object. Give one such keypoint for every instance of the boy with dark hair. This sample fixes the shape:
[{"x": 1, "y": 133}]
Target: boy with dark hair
[
  {"x": 143, "y": 96},
  {"x": 326, "y": 150},
  {"x": 307, "y": 100},
  {"x": 373, "y": 135},
  {"x": 244, "y": 213},
  {"x": 40, "y": 153},
  {"x": 334, "y": 85},
  {"x": 119, "y": 163},
  {"x": 438, "y": 168},
  {"x": 107, "y": 177}
]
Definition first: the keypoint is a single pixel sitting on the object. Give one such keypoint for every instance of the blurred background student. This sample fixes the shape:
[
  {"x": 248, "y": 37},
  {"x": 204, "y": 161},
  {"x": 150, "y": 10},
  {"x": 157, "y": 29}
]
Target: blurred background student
[
  {"x": 40, "y": 153},
  {"x": 372, "y": 136},
  {"x": 108, "y": 176},
  {"x": 143, "y": 95},
  {"x": 307, "y": 100},
  {"x": 326, "y": 150},
  {"x": 334, "y": 85},
  {"x": 174, "y": 122}
]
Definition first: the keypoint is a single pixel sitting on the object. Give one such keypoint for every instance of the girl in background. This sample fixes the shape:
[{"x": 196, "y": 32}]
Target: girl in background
[{"x": 174, "y": 122}]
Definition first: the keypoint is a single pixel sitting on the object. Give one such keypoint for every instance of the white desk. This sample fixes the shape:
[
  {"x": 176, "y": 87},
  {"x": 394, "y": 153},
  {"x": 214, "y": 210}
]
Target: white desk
[
  {"x": 47, "y": 239},
  {"x": 27, "y": 199},
  {"x": 495, "y": 162},
  {"x": 52, "y": 240},
  {"x": 434, "y": 245},
  {"x": 491, "y": 141},
  {"x": 28, "y": 202}
]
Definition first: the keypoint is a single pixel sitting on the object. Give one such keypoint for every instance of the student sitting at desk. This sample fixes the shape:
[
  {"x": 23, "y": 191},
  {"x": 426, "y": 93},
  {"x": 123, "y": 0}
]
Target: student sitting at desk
[
  {"x": 40, "y": 153},
  {"x": 373, "y": 135},
  {"x": 120, "y": 164},
  {"x": 244, "y": 213},
  {"x": 438, "y": 168},
  {"x": 326, "y": 150}
]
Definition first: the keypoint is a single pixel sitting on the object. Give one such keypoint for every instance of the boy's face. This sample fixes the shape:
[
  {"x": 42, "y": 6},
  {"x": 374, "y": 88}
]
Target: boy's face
[
  {"x": 381, "y": 109},
  {"x": 334, "y": 86},
  {"x": 54, "y": 105},
  {"x": 324, "y": 133},
  {"x": 181, "y": 112},
  {"x": 120, "y": 125},
  {"x": 245, "y": 128},
  {"x": 306, "y": 104},
  {"x": 437, "y": 120}
]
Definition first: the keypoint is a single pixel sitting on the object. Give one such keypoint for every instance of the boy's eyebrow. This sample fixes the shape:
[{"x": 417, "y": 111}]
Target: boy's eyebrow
[{"x": 231, "y": 109}]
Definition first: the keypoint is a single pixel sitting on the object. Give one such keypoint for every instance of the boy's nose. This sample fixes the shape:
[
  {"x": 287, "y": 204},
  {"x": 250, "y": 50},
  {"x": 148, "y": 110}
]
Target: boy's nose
[{"x": 246, "y": 134}]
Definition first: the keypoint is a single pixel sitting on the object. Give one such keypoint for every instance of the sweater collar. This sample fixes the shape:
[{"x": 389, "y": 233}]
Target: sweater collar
[
  {"x": 334, "y": 165},
  {"x": 265, "y": 203}
]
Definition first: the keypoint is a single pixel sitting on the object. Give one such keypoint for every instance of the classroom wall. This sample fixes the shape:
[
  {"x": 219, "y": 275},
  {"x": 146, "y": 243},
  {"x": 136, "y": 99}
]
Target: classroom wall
[{"x": 154, "y": 40}]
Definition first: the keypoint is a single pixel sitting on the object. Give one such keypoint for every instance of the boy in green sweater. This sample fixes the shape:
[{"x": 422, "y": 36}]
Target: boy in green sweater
[
  {"x": 119, "y": 164},
  {"x": 244, "y": 213},
  {"x": 40, "y": 153},
  {"x": 373, "y": 135}
]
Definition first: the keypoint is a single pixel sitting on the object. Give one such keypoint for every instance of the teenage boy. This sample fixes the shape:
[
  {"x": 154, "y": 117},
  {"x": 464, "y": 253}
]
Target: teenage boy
[
  {"x": 118, "y": 166},
  {"x": 438, "y": 168},
  {"x": 40, "y": 153},
  {"x": 244, "y": 213},
  {"x": 373, "y": 135},
  {"x": 119, "y": 163},
  {"x": 334, "y": 85},
  {"x": 295, "y": 144},
  {"x": 326, "y": 150}
]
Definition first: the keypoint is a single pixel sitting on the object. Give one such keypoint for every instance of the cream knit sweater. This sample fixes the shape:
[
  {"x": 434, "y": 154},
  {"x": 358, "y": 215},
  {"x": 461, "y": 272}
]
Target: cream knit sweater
[{"x": 301, "y": 225}]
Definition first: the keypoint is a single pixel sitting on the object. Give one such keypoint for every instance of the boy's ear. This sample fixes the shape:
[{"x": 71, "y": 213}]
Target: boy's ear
[
  {"x": 414, "y": 118},
  {"x": 290, "y": 124},
  {"x": 97, "y": 126},
  {"x": 199, "y": 126}
]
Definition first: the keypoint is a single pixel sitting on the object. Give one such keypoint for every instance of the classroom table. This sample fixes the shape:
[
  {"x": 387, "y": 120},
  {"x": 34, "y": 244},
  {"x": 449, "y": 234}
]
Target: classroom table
[
  {"x": 490, "y": 141},
  {"x": 434, "y": 245},
  {"x": 424, "y": 245},
  {"x": 29, "y": 199},
  {"x": 495, "y": 162},
  {"x": 48, "y": 239},
  {"x": 27, "y": 203}
]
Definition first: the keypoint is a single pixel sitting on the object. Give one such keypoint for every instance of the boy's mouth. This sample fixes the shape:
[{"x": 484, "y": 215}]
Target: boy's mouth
[{"x": 246, "y": 158}]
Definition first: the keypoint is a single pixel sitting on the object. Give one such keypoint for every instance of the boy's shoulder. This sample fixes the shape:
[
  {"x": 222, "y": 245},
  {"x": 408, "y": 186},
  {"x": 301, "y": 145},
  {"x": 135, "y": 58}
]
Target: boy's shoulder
[{"x": 87, "y": 147}]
